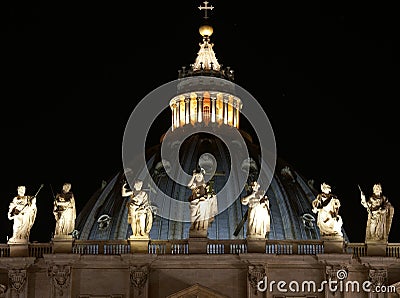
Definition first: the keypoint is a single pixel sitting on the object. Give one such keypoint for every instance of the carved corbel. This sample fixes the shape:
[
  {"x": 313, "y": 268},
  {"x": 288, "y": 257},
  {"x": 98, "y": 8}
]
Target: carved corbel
[
  {"x": 378, "y": 277},
  {"x": 255, "y": 274},
  {"x": 17, "y": 279},
  {"x": 60, "y": 276},
  {"x": 138, "y": 276},
  {"x": 338, "y": 272}
]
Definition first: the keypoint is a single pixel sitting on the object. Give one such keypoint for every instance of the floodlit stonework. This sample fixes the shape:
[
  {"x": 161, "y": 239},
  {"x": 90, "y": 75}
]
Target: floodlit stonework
[{"x": 121, "y": 247}]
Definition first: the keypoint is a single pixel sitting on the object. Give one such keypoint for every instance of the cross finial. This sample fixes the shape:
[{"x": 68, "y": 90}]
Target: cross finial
[{"x": 206, "y": 8}]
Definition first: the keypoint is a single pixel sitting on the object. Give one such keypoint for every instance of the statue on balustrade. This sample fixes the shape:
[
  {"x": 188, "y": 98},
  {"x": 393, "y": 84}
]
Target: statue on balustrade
[
  {"x": 203, "y": 204},
  {"x": 259, "y": 215},
  {"x": 22, "y": 210},
  {"x": 140, "y": 214},
  {"x": 380, "y": 214},
  {"x": 327, "y": 206},
  {"x": 64, "y": 211}
]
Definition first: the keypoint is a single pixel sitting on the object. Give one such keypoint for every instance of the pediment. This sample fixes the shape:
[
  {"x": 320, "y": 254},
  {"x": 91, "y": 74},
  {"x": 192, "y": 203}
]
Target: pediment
[{"x": 196, "y": 291}]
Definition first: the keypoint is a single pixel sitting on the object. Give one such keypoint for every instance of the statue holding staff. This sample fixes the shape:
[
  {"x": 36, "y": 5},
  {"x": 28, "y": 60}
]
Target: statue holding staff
[
  {"x": 22, "y": 210},
  {"x": 258, "y": 215},
  {"x": 380, "y": 214}
]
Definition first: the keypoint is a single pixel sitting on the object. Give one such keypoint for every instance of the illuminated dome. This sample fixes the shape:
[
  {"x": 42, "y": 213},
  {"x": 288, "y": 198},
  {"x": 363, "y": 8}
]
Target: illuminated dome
[
  {"x": 212, "y": 103},
  {"x": 290, "y": 196}
]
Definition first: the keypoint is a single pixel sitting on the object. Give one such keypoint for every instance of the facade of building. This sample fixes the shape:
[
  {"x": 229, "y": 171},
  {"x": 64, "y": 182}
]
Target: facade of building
[{"x": 295, "y": 258}]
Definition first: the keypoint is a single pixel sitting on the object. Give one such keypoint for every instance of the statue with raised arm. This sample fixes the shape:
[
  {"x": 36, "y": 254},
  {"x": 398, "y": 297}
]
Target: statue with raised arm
[
  {"x": 64, "y": 211},
  {"x": 380, "y": 214},
  {"x": 22, "y": 210},
  {"x": 140, "y": 215},
  {"x": 327, "y": 206},
  {"x": 259, "y": 215},
  {"x": 203, "y": 204}
]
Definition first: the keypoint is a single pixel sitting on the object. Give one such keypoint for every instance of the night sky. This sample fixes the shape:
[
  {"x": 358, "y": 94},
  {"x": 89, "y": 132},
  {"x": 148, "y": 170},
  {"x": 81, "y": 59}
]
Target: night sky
[{"x": 72, "y": 74}]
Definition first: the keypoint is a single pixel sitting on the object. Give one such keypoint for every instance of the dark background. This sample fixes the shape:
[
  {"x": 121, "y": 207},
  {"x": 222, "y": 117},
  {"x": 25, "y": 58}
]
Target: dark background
[{"x": 72, "y": 73}]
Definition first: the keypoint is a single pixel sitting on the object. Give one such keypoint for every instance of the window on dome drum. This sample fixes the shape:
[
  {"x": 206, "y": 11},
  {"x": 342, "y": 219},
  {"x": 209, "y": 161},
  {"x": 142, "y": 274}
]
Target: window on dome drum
[{"x": 206, "y": 114}]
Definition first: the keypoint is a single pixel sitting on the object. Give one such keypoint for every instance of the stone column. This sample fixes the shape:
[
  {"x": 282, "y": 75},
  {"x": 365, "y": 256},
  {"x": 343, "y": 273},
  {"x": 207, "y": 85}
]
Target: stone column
[
  {"x": 200, "y": 109},
  {"x": 173, "y": 116},
  {"x": 139, "y": 280},
  {"x": 213, "y": 110},
  {"x": 225, "y": 111},
  {"x": 187, "y": 111}
]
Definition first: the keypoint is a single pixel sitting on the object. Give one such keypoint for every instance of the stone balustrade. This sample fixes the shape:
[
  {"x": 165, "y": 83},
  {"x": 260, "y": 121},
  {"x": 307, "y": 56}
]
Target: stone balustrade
[{"x": 214, "y": 247}]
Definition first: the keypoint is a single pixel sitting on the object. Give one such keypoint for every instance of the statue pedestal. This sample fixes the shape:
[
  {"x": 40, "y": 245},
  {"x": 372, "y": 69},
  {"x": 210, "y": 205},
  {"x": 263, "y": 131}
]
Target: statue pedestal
[
  {"x": 256, "y": 245},
  {"x": 198, "y": 234},
  {"x": 62, "y": 243},
  {"x": 19, "y": 248},
  {"x": 376, "y": 248},
  {"x": 333, "y": 244},
  {"x": 198, "y": 245},
  {"x": 139, "y": 244}
]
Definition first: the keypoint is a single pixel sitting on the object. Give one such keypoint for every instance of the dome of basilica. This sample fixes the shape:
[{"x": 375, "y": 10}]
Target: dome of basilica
[{"x": 208, "y": 102}]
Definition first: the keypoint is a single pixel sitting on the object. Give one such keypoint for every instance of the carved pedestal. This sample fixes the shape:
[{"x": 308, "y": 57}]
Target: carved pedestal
[
  {"x": 198, "y": 245},
  {"x": 19, "y": 248},
  {"x": 139, "y": 244},
  {"x": 376, "y": 248},
  {"x": 256, "y": 245},
  {"x": 333, "y": 244},
  {"x": 62, "y": 243}
]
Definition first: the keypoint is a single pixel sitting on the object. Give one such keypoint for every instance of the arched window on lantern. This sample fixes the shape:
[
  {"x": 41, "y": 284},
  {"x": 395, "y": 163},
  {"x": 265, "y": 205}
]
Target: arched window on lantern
[{"x": 206, "y": 114}]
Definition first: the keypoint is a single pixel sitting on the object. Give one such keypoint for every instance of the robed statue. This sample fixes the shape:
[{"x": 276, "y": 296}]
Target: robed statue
[
  {"x": 140, "y": 214},
  {"x": 22, "y": 210},
  {"x": 259, "y": 215},
  {"x": 64, "y": 211},
  {"x": 380, "y": 214},
  {"x": 203, "y": 204}
]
